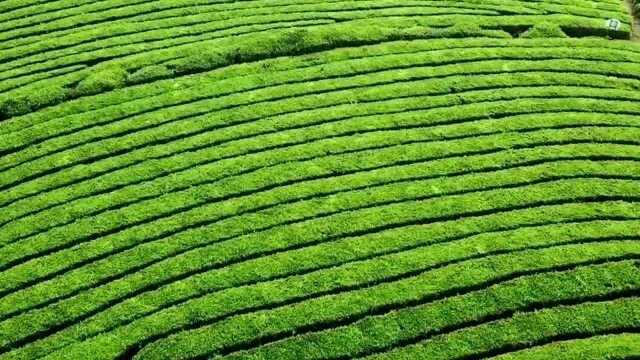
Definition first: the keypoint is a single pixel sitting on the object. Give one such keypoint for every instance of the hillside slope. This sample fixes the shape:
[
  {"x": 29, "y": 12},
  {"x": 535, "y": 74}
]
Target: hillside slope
[{"x": 280, "y": 179}]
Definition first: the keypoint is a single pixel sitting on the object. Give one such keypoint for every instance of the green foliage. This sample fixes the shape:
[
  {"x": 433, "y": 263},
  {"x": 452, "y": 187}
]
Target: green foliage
[
  {"x": 615, "y": 346},
  {"x": 457, "y": 314},
  {"x": 438, "y": 243},
  {"x": 529, "y": 328},
  {"x": 433, "y": 285},
  {"x": 39, "y": 98},
  {"x": 521, "y": 75},
  {"x": 62, "y": 237},
  {"x": 465, "y": 31},
  {"x": 100, "y": 81},
  {"x": 14, "y": 106},
  {"x": 312, "y": 180},
  {"x": 544, "y": 30},
  {"x": 161, "y": 46},
  {"x": 149, "y": 73}
]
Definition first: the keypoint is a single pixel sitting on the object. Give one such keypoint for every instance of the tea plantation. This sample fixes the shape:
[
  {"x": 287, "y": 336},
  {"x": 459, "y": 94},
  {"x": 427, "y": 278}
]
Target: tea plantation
[{"x": 306, "y": 179}]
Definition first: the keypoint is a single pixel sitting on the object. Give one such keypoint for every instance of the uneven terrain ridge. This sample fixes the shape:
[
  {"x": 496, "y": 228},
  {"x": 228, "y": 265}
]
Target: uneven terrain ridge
[{"x": 305, "y": 179}]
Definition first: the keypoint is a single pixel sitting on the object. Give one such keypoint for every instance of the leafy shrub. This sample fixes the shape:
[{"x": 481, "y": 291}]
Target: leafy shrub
[
  {"x": 463, "y": 31},
  {"x": 544, "y": 30},
  {"x": 149, "y": 73},
  {"x": 101, "y": 81},
  {"x": 27, "y": 102}
]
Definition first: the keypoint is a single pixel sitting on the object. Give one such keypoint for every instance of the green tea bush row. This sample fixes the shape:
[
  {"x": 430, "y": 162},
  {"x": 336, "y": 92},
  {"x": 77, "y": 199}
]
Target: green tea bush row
[
  {"x": 289, "y": 33},
  {"x": 285, "y": 318},
  {"x": 154, "y": 16},
  {"x": 179, "y": 180},
  {"x": 341, "y": 194},
  {"x": 221, "y": 52},
  {"x": 296, "y": 129},
  {"x": 434, "y": 320},
  {"x": 204, "y": 25},
  {"x": 139, "y": 218},
  {"x": 598, "y": 347},
  {"x": 164, "y": 9},
  {"x": 333, "y": 92},
  {"x": 439, "y": 208},
  {"x": 244, "y": 78},
  {"x": 182, "y": 183},
  {"x": 454, "y": 240},
  {"x": 589, "y": 49},
  {"x": 93, "y": 274},
  {"x": 523, "y": 330},
  {"x": 230, "y": 150},
  {"x": 86, "y": 45},
  {"x": 254, "y": 48},
  {"x": 18, "y": 9},
  {"x": 112, "y": 33}
]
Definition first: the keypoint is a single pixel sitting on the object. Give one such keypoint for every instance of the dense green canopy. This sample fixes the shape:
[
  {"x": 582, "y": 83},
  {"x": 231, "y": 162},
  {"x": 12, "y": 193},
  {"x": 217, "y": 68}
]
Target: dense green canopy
[{"x": 305, "y": 179}]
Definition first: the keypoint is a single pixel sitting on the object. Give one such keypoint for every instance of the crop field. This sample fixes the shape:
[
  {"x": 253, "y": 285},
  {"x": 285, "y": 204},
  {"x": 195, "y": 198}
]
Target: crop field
[{"x": 306, "y": 179}]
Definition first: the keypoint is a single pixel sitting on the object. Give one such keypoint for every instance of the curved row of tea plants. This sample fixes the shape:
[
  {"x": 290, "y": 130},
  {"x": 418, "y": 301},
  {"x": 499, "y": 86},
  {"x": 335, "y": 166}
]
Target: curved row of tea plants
[
  {"x": 98, "y": 47},
  {"x": 322, "y": 187}
]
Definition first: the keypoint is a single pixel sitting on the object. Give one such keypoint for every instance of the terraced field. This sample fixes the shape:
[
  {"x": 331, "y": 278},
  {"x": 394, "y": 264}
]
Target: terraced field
[{"x": 305, "y": 179}]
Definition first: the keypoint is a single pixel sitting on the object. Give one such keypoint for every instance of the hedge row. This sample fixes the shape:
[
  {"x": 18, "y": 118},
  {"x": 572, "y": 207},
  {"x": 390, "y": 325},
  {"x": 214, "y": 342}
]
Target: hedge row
[
  {"x": 530, "y": 328},
  {"x": 447, "y": 319},
  {"x": 55, "y": 216},
  {"x": 199, "y": 124},
  {"x": 363, "y": 73},
  {"x": 181, "y": 175},
  {"x": 190, "y": 209},
  {"x": 239, "y": 142},
  {"x": 154, "y": 16},
  {"x": 454, "y": 241},
  {"x": 381, "y": 194},
  {"x": 105, "y": 270},
  {"x": 185, "y": 264},
  {"x": 364, "y": 174},
  {"x": 275, "y": 147},
  {"x": 619, "y": 346},
  {"x": 172, "y": 136},
  {"x": 244, "y": 76},
  {"x": 255, "y": 47},
  {"x": 194, "y": 117},
  {"x": 219, "y": 53},
  {"x": 276, "y": 33},
  {"x": 282, "y": 319},
  {"x": 15, "y": 9},
  {"x": 337, "y": 69},
  {"x": 206, "y": 25},
  {"x": 344, "y": 54},
  {"x": 118, "y": 36},
  {"x": 239, "y": 72}
]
